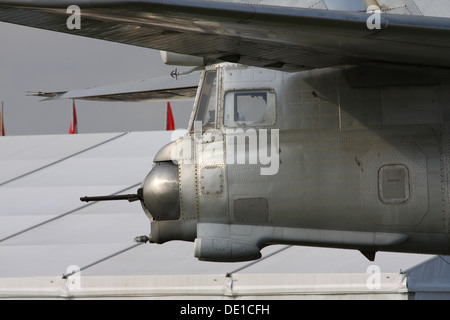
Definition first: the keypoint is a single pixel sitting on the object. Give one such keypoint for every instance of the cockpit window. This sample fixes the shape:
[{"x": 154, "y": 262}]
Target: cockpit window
[
  {"x": 206, "y": 112},
  {"x": 250, "y": 108}
]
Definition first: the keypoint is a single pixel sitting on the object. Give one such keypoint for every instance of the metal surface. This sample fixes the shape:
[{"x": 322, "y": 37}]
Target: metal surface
[{"x": 161, "y": 196}]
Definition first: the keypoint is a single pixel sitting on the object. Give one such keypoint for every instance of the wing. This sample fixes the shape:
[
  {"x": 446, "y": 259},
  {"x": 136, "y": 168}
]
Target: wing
[
  {"x": 155, "y": 89},
  {"x": 264, "y": 36}
]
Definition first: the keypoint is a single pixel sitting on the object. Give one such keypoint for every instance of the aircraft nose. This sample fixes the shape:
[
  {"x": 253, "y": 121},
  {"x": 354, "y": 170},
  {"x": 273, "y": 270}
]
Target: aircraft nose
[{"x": 161, "y": 195}]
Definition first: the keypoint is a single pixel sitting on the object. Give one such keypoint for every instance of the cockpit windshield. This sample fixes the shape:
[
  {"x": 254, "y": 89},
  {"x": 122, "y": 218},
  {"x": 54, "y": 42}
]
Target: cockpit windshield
[{"x": 206, "y": 111}]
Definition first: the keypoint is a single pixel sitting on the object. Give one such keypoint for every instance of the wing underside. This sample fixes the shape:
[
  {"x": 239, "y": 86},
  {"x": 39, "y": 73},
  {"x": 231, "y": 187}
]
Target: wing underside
[{"x": 265, "y": 36}]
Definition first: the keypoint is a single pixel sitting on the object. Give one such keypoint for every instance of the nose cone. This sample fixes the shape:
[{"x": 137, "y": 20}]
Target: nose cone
[{"x": 161, "y": 196}]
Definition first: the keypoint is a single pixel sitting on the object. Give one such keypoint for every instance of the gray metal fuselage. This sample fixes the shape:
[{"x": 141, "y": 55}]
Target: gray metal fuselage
[{"x": 363, "y": 158}]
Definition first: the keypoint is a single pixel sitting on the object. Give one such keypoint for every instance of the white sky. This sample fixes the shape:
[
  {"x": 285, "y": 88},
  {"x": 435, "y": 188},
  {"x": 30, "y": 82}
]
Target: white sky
[{"x": 38, "y": 60}]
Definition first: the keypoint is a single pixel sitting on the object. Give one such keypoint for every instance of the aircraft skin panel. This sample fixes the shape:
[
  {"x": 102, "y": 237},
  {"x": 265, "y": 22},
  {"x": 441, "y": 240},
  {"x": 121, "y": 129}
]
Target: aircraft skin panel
[
  {"x": 273, "y": 37},
  {"x": 326, "y": 158}
]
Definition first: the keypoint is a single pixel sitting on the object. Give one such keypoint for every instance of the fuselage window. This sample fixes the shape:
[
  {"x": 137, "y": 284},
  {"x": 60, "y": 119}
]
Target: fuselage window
[
  {"x": 250, "y": 108},
  {"x": 206, "y": 111}
]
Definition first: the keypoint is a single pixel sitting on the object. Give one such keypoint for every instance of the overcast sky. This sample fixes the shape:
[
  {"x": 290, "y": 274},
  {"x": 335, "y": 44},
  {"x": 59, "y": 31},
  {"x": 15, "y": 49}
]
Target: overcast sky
[{"x": 38, "y": 60}]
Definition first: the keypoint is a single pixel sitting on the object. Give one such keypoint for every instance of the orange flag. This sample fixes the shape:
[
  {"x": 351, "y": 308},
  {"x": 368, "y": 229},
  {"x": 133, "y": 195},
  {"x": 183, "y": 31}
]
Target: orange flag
[
  {"x": 170, "y": 126},
  {"x": 73, "y": 124}
]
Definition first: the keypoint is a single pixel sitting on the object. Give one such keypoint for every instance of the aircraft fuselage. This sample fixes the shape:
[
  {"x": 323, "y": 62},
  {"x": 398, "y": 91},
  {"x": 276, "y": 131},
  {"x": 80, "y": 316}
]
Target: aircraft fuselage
[{"x": 351, "y": 157}]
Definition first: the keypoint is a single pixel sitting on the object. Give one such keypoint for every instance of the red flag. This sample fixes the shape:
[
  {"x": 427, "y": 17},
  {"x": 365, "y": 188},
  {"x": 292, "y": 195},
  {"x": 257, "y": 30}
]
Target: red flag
[
  {"x": 73, "y": 124},
  {"x": 170, "y": 126},
  {"x": 2, "y": 122}
]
